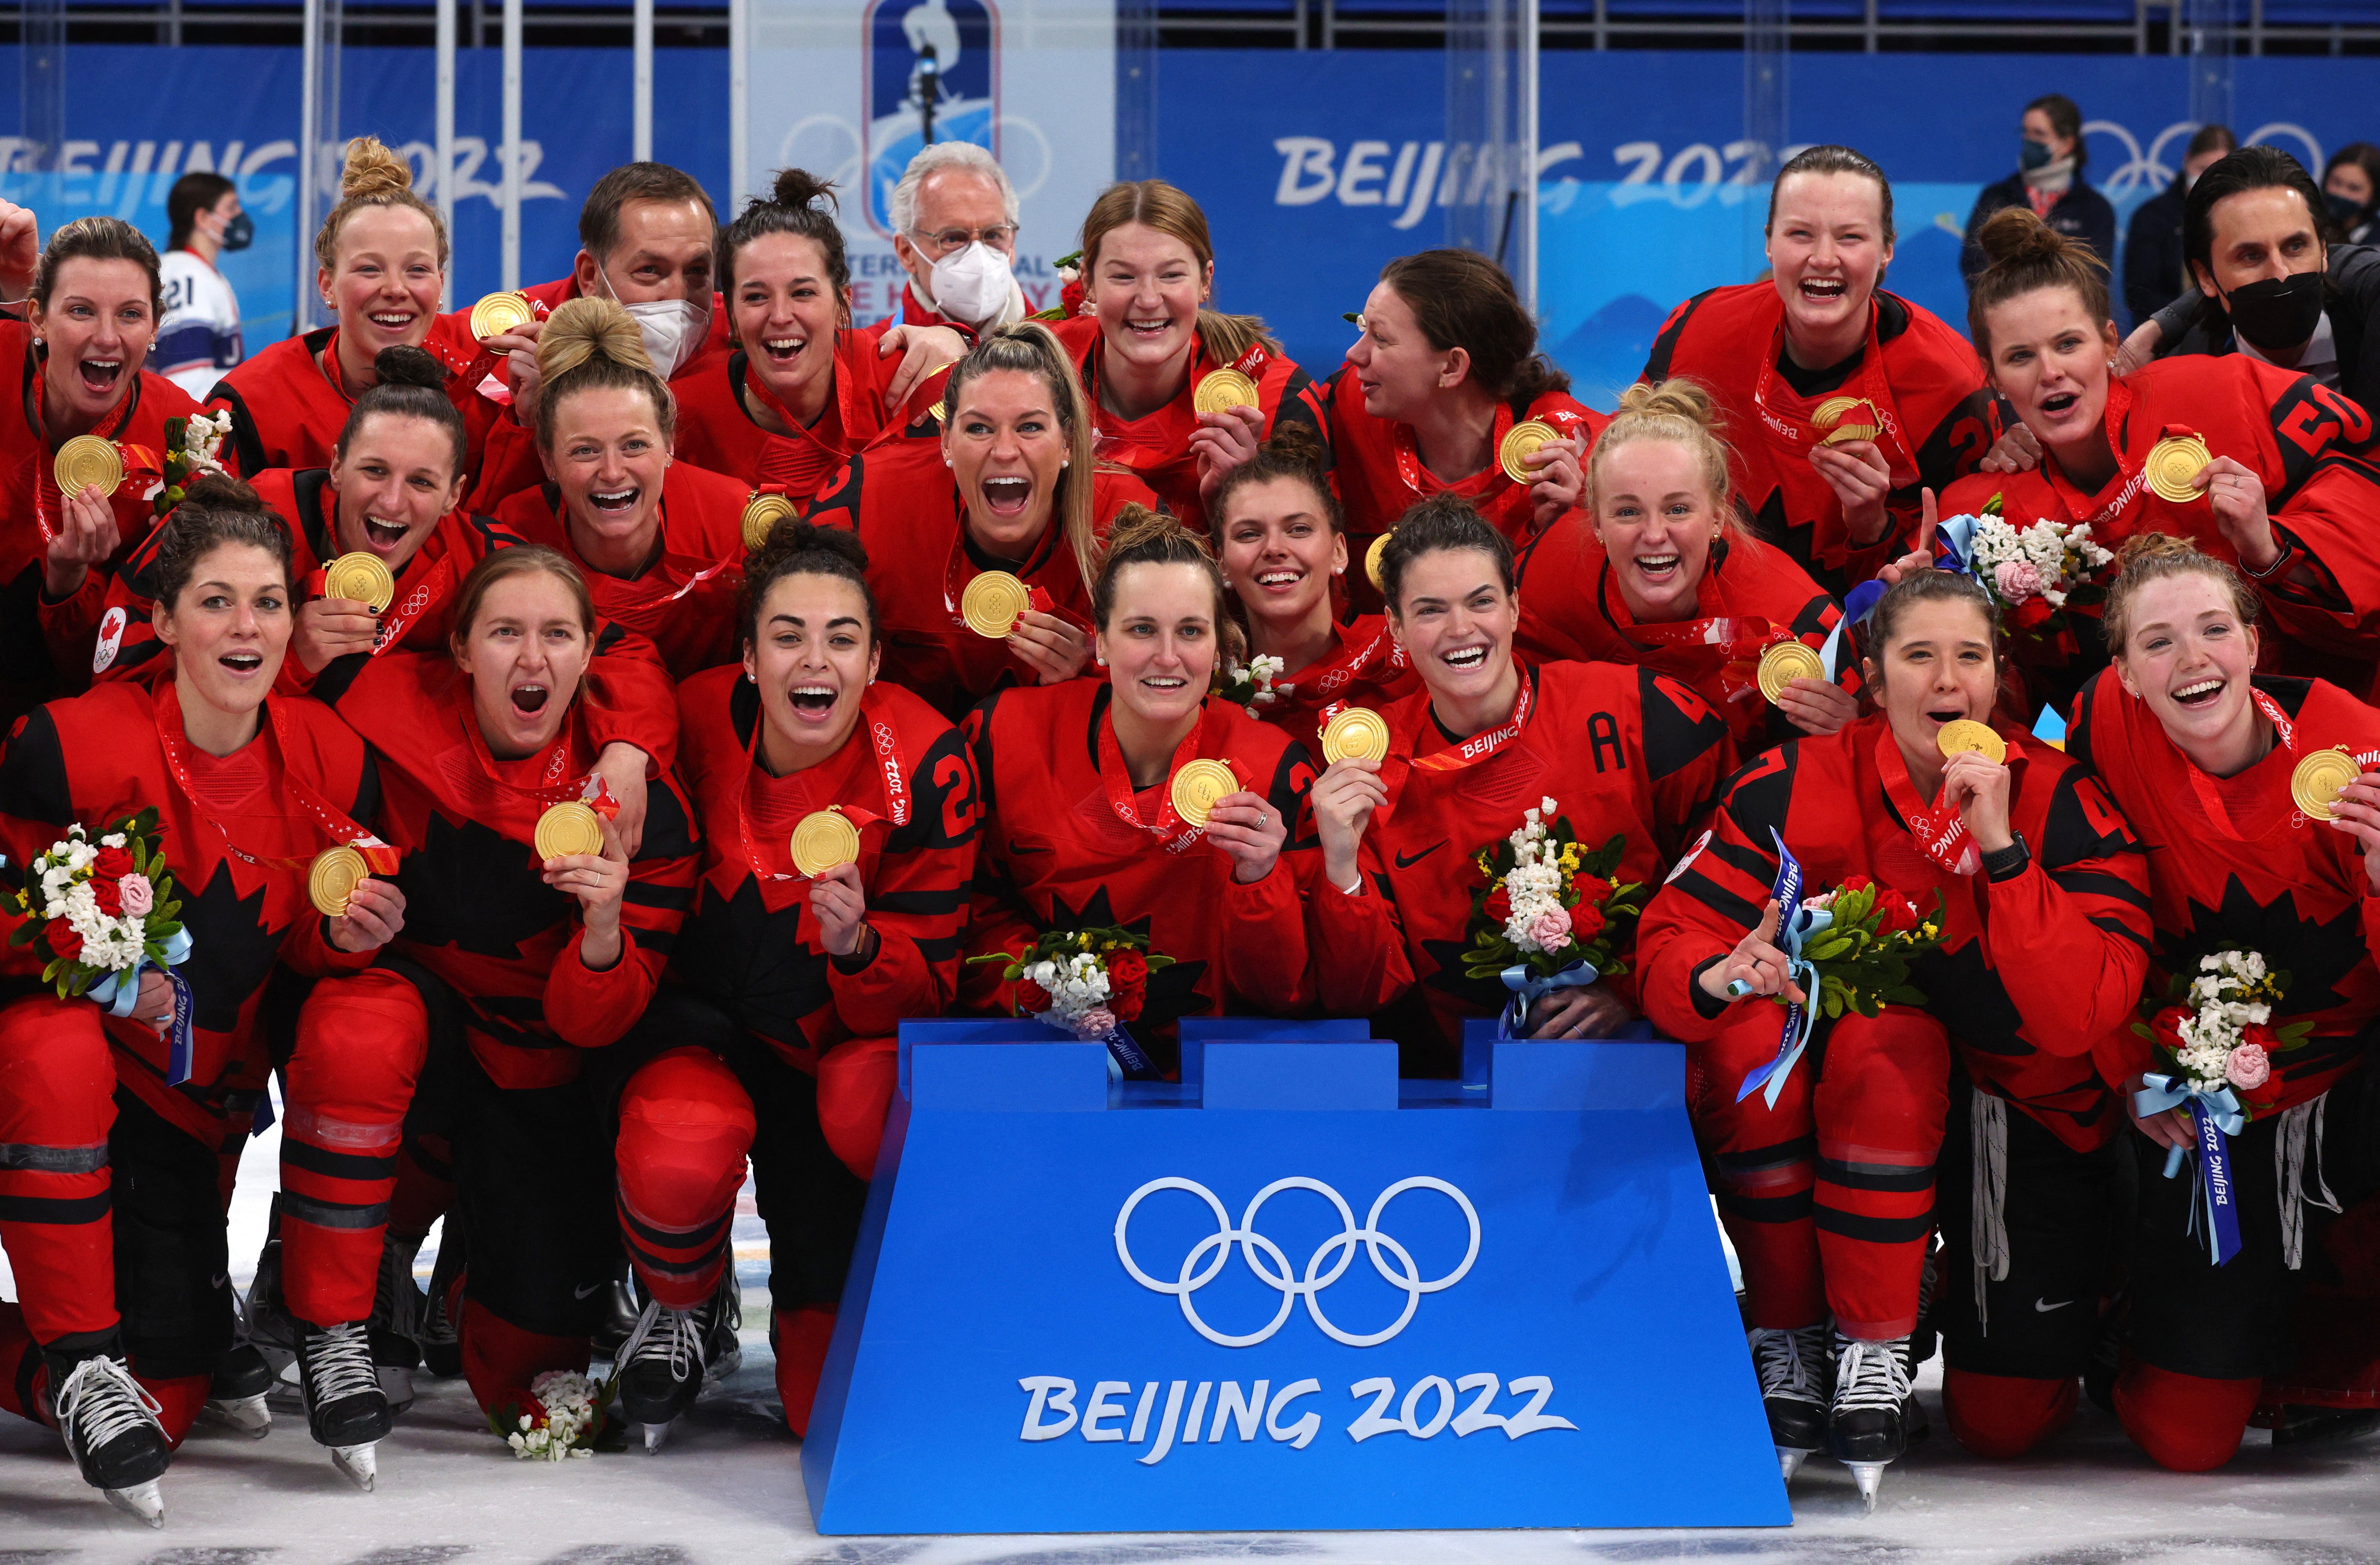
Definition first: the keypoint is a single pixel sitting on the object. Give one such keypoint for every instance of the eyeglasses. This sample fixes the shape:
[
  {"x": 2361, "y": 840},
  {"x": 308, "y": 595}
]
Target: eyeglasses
[{"x": 998, "y": 236}]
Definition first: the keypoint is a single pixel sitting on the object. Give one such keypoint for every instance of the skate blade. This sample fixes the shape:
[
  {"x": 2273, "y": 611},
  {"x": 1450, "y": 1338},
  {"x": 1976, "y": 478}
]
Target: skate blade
[
  {"x": 657, "y": 1436},
  {"x": 1789, "y": 1461},
  {"x": 247, "y": 1415},
  {"x": 361, "y": 1463},
  {"x": 1870, "y": 1478},
  {"x": 396, "y": 1385},
  {"x": 146, "y": 1502}
]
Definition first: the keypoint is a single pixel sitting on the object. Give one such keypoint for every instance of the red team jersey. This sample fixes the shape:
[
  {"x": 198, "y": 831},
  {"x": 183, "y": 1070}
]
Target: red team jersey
[
  {"x": 1157, "y": 447},
  {"x": 237, "y": 839},
  {"x": 477, "y": 914},
  {"x": 1619, "y": 750},
  {"x": 1752, "y": 593},
  {"x": 2034, "y": 971},
  {"x": 45, "y": 647},
  {"x": 1366, "y": 667},
  {"x": 2233, "y": 862},
  {"x": 715, "y": 429},
  {"x": 1058, "y": 854},
  {"x": 751, "y": 945},
  {"x": 685, "y": 601},
  {"x": 287, "y": 410},
  {"x": 1937, "y": 417},
  {"x": 906, "y": 510}
]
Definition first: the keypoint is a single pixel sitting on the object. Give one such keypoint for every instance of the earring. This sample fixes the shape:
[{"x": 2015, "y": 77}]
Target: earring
[
  {"x": 1064, "y": 462},
  {"x": 750, "y": 677}
]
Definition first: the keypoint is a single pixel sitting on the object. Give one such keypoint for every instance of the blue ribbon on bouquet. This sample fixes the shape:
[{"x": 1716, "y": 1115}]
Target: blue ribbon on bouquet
[
  {"x": 1528, "y": 990},
  {"x": 1954, "y": 543},
  {"x": 2214, "y": 1208},
  {"x": 119, "y": 991},
  {"x": 1795, "y": 926}
]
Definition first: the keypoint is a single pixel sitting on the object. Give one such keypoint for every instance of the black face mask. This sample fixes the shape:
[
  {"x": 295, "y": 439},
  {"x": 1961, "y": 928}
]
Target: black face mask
[
  {"x": 2346, "y": 209},
  {"x": 238, "y": 232},
  {"x": 2276, "y": 314},
  {"x": 2031, "y": 155}
]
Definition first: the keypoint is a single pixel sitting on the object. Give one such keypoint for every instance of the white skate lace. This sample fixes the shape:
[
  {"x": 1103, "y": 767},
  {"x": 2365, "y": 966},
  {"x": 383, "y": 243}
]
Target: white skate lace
[
  {"x": 665, "y": 1334},
  {"x": 99, "y": 1401},
  {"x": 1987, "y": 1232},
  {"x": 1776, "y": 1355},
  {"x": 1869, "y": 1376},
  {"x": 340, "y": 1358}
]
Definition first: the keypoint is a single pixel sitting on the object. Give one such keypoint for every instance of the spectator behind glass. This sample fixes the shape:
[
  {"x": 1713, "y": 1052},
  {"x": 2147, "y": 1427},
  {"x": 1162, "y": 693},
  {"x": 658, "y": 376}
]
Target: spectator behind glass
[
  {"x": 199, "y": 337},
  {"x": 2350, "y": 181},
  {"x": 954, "y": 229},
  {"x": 2050, "y": 155},
  {"x": 2152, "y": 270}
]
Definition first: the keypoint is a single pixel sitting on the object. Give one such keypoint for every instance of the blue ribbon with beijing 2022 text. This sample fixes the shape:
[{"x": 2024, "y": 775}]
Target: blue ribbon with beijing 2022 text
[
  {"x": 2214, "y": 1206},
  {"x": 1954, "y": 541},
  {"x": 117, "y": 992},
  {"x": 1795, "y": 926},
  {"x": 1126, "y": 1060},
  {"x": 1527, "y": 991}
]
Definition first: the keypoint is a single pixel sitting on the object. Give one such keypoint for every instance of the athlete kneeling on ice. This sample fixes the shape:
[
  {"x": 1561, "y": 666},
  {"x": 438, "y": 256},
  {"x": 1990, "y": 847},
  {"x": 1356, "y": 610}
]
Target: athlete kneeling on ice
[{"x": 1826, "y": 1184}]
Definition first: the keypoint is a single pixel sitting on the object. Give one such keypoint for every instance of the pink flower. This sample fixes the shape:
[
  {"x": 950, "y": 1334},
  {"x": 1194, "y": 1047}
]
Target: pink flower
[
  {"x": 2018, "y": 579},
  {"x": 1096, "y": 1023},
  {"x": 2248, "y": 1067},
  {"x": 1551, "y": 928},
  {"x": 139, "y": 897}
]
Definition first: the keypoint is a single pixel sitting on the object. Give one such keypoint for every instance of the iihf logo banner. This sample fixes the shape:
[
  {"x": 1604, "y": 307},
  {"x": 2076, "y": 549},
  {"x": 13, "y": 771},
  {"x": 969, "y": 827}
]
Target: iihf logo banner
[{"x": 1084, "y": 1309}]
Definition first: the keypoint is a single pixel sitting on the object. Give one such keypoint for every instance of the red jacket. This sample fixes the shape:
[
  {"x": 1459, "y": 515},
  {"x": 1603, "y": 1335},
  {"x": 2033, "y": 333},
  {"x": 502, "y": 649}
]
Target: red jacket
[
  {"x": 1619, "y": 750},
  {"x": 751, "y": 945},
  {"x": 2249, "y": 870},
  {"x": 1751, "y": 592},
  {"x": 287, "y": 411},
  {"x": 902, "y": 501},
  {"x": 234, "y": 841},
  {"x": 1366, "y": 667},
  {"x": 1921, "y": 375},
  {"x": 716, "y": 429},
  {"x": 2034, "y": 971}
]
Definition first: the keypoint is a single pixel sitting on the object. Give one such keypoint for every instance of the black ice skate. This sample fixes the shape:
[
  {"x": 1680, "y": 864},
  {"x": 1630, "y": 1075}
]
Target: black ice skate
[
  {"x": 346, "y": 1408},
  {"x": 112, "y": 1429},
  {"x": 395, "y": 1324},
  {"x": 672, "y": 1355},
  {"x": 1793, "y": 1368},
  {"x": 235, "y": 1394},
  {"x": 1872, "y": 1394}
]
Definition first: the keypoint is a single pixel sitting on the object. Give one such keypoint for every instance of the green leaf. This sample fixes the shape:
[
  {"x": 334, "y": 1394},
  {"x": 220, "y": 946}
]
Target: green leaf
[{"x": 1829, "y": 947}]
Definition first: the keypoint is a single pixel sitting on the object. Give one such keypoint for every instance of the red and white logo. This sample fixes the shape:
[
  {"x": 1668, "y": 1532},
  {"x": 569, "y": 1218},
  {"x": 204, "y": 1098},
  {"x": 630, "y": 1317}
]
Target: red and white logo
[{"x": 110, "y": 641}]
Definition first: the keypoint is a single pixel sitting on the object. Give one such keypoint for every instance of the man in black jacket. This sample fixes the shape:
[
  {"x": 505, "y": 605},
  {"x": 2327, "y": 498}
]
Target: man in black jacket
[
  {"x": 2050, "y": 179},
  {"x": 2153, "y": 269}
]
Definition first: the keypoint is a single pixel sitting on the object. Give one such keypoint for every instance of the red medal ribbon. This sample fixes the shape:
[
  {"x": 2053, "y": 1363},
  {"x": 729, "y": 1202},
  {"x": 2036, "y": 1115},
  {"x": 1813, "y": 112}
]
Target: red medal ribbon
[
  {"x": 1172, "y": 831},
  {"x": 554, "y": 786},
  {"x": 166, "y": 707},
  {"x": 2210, "y": 798},
  {"x": 888, "y": 757},
  {"x": 1786, "y": 425},
  {"x": 1479, "y": 747},
  {"x": 1937, "y": 827}
]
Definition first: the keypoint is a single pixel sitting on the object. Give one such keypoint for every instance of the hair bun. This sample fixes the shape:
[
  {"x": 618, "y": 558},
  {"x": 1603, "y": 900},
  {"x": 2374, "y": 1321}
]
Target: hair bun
[
  {"x": 2016, "y": 236},
  {"x": 1136, "y": 526},
  {"x": 585, "y": 328},
  {"x": 221, "y": 491},
  {"x": 1676, "y": 397},
  {"x": 793, "y": 536},
  {"x": 2141, "y": 548},
  {"x": 406, "y": 365},
  {"x": 1297, "y": 444},
  {"x": 372, "y": 170},
  {"x": 800, "y": 188}
]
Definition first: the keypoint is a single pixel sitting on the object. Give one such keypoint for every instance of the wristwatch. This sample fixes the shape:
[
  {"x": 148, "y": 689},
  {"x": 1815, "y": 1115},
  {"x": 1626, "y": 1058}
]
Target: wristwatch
[{"x": 2007, "y": 863}]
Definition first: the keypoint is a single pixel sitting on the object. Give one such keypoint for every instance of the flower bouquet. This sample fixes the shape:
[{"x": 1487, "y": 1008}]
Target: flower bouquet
[
  {"x": 1252, "y": 685},
  {"x": 1087, "y": 983},
  {"x": 2034, "y": 573},
  {"x": 564, "y": 1415},
  {"x": 1551, "y": 913},
  {"x": 1860, "y": 957},
  {"x": 100, "y": 912},
  {"x": 192, "y": 446}
]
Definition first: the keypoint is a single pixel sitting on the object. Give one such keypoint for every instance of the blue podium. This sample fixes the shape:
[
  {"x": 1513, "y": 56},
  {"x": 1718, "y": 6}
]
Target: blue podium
[{"x": 1287, "y": 1292}]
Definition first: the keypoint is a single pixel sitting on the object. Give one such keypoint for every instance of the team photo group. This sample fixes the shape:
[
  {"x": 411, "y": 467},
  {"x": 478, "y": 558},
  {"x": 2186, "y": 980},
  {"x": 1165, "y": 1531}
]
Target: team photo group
[{"x": 539, "y": 753}]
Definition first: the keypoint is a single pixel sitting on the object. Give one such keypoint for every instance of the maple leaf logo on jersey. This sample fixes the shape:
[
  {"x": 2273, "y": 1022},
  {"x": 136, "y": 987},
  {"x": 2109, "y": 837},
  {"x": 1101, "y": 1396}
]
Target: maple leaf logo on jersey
[
  {"x": 2318, "y": 954},
  {"x": 230, "y": 955},
  {"x": 475, "y": 889},
  {"x": 1173, "y": 990},
  {"x": 726, "y": 953}
]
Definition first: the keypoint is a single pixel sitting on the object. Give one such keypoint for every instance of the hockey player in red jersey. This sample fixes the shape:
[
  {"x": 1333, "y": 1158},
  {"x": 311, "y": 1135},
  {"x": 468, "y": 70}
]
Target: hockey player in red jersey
[
  {"x": 801, "y": 392},
  {"x": 1484, "y": 742},
  {"x": 1282, "y": 542},
  {"x": 1660, "y": 570},
  {"x": 77, "y": 362},
  {"x": 1150, "y": 343},
  {"x": 2200, "y": 751},
  {"x": 1011, "y": 487},
  {"x": 816, "y": 962},
  {"x": 382, "y": 254},
  {"x": 1083, "y": 824},
  {"x": 528, "y": 969},
  {"x": 122, "y": 1128},
  {"x": 1844, "y": 399},
  {"x": 1445, "y": 369},
  {"x": 661, "y": 542},
  {"x": 1826, "y": 1166}
]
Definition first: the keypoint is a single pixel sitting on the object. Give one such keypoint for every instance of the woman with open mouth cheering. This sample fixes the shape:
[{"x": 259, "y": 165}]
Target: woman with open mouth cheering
[
  {"x": 1660, "y": 570},
  {"x": 1843, "y": 399},
  {"x": 1472, "y": 754},
  {"x": 118, "y": 1117},
  {"x": 839, "y": 818},
  {"x": 75, "y": 367},
  {"x": 981, "y": 548},
  {"x": 802, "y": 393},
  {"x": 660, "y": 541}
]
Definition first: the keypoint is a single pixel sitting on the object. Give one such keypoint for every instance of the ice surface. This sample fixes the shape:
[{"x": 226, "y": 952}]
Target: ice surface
[{"x": 727, "y": 1490}]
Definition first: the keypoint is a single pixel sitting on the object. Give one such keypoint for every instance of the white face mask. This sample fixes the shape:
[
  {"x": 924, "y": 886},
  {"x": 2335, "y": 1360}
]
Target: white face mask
[
  {"x": 972, "y": 283},
  {"x": 673, "y": 329}
]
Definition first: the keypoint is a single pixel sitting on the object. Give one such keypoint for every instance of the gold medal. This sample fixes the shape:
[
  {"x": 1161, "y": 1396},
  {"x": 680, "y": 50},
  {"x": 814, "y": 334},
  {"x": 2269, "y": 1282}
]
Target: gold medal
[
  {"x": 361, "y": 576},
  {"x": 1372, "y": 562},
  {"x": 88, "y": 462},
  {"x": 825, "y": 839},
  {"x": 991, "y": 603},
  {"x": 1522, "y": 442},
  {"x": 1966, "y": 734},
  {"x": 335, "y": 874},
  {"x": 761, "y": 514},
  {"x": 1196, "y": 787},
  {"x": 1839, "y": 418},
  {"x": 1358, "y": 730},
  {"x": 569, "y": 828},
  {"x": 1223, "y": 390},
  {"x": 2172, "y": 463},
  {"x": 1827, "y": 414},
  {"x": 2316, "y": 783},
  {"x": 499, "y": 313},
  {"x": 1783, "y": 664}
]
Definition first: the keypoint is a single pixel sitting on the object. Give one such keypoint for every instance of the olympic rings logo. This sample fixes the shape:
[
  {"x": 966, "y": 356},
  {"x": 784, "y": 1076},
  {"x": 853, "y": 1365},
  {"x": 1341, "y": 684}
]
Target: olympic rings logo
[{"x": 1210, "y": 1255}]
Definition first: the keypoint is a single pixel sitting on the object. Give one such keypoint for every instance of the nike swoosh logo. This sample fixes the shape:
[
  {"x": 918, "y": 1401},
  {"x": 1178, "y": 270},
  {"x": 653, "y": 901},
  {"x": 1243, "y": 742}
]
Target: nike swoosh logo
[
  {"x": 582, "y": 1292},
  {"x": 1016, "y": 846},
  {"x": 2042, "y": 1306},
  {"x": 1406, "y": 861},
  {"x": 219, "y": 1280}
]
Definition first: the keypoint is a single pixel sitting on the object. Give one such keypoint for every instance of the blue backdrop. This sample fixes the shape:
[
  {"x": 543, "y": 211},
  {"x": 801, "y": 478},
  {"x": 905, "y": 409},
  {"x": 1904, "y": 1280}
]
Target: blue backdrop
[{"x": 1313, "y": 167}]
